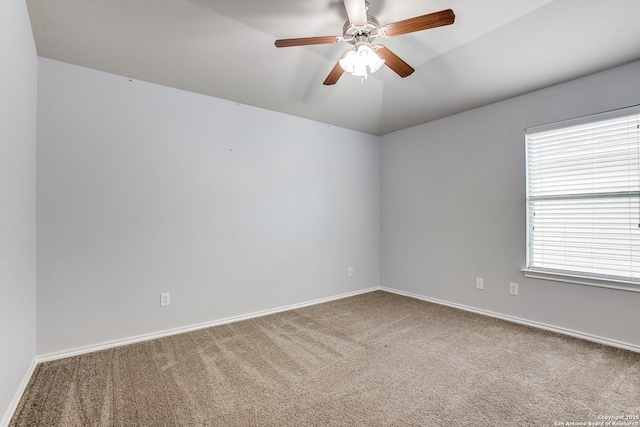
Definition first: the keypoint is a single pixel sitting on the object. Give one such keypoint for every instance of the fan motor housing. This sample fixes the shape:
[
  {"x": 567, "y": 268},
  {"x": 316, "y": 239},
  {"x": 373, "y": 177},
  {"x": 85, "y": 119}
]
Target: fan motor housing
[{"x": 370, "y": 29}]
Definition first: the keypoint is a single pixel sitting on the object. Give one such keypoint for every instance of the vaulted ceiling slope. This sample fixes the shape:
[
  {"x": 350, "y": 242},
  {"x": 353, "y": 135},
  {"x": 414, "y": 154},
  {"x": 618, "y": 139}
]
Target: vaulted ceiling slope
[{"x": 496, "y": 49}]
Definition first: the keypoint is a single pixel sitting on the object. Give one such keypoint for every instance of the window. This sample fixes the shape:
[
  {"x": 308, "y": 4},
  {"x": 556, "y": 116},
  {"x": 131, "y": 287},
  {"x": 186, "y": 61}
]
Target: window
[{"x": 583, "y": 200}]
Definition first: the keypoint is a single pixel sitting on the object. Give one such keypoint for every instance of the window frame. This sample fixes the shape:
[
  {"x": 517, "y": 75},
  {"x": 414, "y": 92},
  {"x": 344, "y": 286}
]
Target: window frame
[{"x": 566, "y": 276}]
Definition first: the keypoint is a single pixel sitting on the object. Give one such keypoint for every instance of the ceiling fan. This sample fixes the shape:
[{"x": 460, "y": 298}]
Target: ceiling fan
[{"x": 361, "y": 30}]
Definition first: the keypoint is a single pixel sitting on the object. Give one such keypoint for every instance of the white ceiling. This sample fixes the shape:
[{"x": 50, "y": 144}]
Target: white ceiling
[{"x": 495, "y": 50}]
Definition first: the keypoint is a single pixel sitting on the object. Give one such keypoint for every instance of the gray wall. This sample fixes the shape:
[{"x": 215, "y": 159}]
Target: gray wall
[
  {"x": 453, "y": 209},
  {"x": 18, "y": 81},
  {"x": 144, "y": 189}
]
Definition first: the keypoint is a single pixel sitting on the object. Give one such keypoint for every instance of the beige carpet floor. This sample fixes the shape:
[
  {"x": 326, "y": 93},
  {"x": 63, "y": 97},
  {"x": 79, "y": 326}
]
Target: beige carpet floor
[{"x": 377, "y": 359}]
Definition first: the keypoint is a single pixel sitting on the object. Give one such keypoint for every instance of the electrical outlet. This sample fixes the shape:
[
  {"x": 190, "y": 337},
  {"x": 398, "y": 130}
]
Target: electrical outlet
[
  {"x": 513, "y": 288},
  {"x": 479, "y": 283},
  {"x": 165, "y": 299},
  {"x": 350, "y": 271}
]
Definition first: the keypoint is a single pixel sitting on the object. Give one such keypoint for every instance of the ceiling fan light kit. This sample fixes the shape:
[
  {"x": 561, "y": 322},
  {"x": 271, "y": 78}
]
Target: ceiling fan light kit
[
  {"x": 361, "y": 60},
  {"x": 361, "y": 30}
]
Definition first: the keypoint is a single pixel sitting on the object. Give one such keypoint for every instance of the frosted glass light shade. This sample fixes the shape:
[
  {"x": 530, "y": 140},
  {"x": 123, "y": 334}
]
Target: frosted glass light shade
[{"x": 361, "y": 61}]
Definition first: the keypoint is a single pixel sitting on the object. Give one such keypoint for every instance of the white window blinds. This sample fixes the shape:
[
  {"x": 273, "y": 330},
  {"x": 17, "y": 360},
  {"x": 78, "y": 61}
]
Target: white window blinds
[{"x": 583, "y": 196}]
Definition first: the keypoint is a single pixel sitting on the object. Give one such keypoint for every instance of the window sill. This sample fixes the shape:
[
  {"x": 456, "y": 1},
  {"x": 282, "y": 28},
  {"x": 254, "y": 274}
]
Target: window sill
[{"x": 621, "y": 285}]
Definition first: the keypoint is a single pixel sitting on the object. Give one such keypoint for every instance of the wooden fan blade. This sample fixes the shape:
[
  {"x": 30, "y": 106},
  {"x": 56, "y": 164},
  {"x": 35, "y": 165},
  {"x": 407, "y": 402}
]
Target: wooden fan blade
[
  {"x": 394, "y": 62},
  {"x": 419, "y": 23},
  {"x": 356, "y": 11},
  {"x": 305, "y": 41},
  {"x": 335, "y": 73}
]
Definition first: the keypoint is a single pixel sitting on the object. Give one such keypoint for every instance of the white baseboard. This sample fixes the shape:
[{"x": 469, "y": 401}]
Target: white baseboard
[
  {"x": 559, "y": 330},
  {"x": 16, "y": 398},
  {"x": 181, "y": 330},
  {"x": 175, "y": 331}
]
